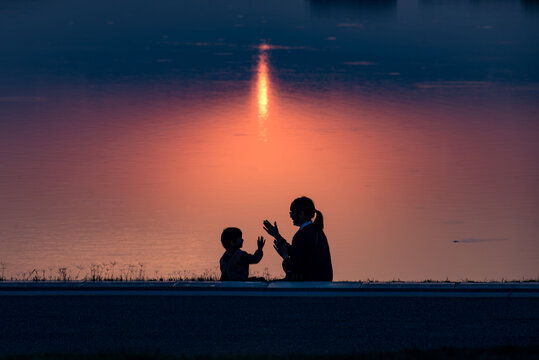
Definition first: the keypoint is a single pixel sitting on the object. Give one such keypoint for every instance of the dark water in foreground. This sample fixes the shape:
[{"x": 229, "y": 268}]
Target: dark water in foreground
[{"x": 134, "y": 133}]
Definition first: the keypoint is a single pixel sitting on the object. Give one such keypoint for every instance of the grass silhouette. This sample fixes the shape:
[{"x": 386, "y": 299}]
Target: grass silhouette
[{"x": 113, "y": 271}]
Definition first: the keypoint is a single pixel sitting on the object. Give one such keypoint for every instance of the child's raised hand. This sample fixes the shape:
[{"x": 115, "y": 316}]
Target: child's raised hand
[{"x": 261, "y": 242}]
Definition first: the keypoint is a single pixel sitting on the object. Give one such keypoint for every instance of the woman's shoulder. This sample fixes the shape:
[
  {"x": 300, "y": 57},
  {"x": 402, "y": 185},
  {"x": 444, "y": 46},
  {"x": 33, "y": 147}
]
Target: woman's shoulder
[{"x": 309, "y": 231}]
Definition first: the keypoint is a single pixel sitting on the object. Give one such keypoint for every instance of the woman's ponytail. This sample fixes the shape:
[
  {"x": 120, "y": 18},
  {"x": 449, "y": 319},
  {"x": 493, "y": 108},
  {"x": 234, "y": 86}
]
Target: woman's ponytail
[{"x": 319, "y": 220}]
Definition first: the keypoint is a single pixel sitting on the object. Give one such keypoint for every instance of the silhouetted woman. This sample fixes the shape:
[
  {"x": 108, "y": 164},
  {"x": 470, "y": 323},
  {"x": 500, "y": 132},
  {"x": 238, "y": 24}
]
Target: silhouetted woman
[{"x": 308, "y": 257}]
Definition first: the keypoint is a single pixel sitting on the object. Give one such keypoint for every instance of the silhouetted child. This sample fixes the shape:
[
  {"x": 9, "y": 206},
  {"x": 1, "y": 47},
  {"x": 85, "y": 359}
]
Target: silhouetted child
[{"x": 235, "y": 262}]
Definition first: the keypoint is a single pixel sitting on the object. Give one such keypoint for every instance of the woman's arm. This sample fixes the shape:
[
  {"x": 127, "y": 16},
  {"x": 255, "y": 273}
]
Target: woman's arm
[
  {"x": 279, "y": 244},
  {"x": 301, "y": 254},
  {"x": 273, "y": 230}
]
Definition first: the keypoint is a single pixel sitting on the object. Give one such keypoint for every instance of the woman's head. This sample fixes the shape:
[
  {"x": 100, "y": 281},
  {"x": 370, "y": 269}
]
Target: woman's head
[{"x": 302, "y": 209}]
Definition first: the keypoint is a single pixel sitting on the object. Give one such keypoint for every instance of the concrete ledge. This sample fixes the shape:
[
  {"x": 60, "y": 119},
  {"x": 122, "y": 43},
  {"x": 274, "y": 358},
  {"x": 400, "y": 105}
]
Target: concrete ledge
[{"x": 276, "y": 288}]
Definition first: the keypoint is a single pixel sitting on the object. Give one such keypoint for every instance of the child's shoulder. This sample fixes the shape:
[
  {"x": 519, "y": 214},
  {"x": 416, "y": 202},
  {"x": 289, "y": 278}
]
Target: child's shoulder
[
  {"x": 228, "y": 253},
  {"x": 239, "y": 253},
  {"x": 232, "y": 252}
]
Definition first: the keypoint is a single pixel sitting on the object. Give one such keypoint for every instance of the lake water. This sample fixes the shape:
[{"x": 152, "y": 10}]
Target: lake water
[{"x": 133, "y": 132}]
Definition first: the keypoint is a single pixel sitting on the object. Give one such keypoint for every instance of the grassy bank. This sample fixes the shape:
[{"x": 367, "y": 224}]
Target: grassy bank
[
  {"x": 114, "y": 271},
  {"x": 498, "y": 353}
]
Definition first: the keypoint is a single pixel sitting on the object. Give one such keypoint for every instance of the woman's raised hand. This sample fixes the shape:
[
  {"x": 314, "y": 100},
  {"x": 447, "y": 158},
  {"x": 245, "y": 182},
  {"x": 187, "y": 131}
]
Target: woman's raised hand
[{"x": 273, "y": 230}]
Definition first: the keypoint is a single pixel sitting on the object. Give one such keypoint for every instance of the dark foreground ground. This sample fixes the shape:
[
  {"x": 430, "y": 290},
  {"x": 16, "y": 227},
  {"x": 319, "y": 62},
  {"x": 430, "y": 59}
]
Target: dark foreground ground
[
  {"x": 220, "y": 325},
  {"x": 497, "y": 353}
]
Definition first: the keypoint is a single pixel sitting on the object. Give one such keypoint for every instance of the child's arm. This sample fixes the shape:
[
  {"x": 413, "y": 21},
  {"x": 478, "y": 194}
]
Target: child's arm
[{"x": 257, "y": 256}]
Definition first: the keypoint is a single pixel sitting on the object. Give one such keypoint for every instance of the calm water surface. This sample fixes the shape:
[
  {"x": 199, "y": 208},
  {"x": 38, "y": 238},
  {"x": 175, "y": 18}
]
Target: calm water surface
[{"x": 134, "y": 133}]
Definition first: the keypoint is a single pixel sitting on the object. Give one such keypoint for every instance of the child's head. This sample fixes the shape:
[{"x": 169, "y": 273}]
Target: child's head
[{"x": 231, "y": 238}]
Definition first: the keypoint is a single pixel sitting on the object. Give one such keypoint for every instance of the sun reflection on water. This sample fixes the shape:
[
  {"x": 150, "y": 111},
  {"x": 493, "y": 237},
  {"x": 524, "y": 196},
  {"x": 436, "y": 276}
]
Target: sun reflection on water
[{"x": 262, "y": 90}]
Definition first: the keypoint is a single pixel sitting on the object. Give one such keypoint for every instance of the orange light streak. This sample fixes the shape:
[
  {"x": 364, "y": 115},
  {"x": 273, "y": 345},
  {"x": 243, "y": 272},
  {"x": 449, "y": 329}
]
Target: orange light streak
[{"x": 263, "y": 92}]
